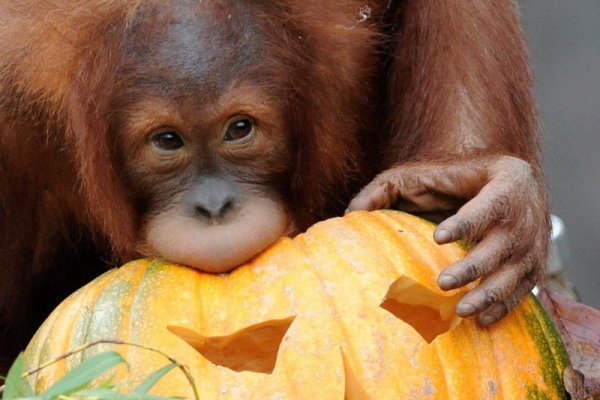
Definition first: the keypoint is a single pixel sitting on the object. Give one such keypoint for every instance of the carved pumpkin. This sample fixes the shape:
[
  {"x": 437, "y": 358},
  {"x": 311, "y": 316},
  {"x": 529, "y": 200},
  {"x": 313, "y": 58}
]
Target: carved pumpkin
[{"x": 348, "y": 310}]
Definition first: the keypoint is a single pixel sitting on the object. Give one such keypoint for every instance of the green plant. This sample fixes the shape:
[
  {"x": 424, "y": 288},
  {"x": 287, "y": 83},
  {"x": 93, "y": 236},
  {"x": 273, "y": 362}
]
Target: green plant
[{"x": 89, "y": 380}]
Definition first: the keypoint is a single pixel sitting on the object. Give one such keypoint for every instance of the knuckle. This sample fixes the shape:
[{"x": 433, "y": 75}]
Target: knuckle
[
  {"x": 465, "y": 271},
  {"x": 515, "y": 165},
  {"x": 517, "y": 175},
  {"x": 463, "y": 226},
  {"x": 471, "y": 271},
  {"x": 520, "y": 243},
  {"x": 531, "y": 264},
  {"x": 397, "y": 172},
  {"x": 490, "y": 296},
  {"x": 508, "y": 305},
  {"x": 501, "y": 206},
  {"x": 390, "y": 181},
  {"x": 514, "y": 300},
  {"x": 380, "y": 181}
]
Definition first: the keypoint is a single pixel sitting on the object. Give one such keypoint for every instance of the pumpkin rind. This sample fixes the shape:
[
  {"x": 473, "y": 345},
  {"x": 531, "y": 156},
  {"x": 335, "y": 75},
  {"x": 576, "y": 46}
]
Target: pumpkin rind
[{"x": 328, "y": 285}]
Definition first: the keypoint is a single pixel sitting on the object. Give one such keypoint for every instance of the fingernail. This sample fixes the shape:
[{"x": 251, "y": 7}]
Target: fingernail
[
  {"x": 487, "y": 320},
  {"x": 442, "y": 236},
  {"x": 447, "y": 281},
  {"x": 465, "y": 309}
]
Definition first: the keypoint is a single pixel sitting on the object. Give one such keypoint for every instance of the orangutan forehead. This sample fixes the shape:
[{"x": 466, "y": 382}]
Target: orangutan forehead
[{"x": 201, "y": 44}]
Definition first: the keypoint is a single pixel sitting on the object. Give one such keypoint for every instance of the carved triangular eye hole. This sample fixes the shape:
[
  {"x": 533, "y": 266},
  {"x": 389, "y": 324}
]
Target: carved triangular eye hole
[
  {"x": 252, "y": 349},
  {"x": 430, "y": 314}
]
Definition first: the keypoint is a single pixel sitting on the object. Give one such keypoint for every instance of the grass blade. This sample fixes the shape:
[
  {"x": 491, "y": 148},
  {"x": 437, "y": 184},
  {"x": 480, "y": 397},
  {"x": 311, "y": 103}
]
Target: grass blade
[
  {"x": 153, "y": 378},
  {"x": 84, "y": 373}
]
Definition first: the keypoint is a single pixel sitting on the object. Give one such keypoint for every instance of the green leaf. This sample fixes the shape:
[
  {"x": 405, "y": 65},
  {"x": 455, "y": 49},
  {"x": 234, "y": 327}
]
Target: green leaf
[
  {"x": 34, "y": 397},
  {"x": 27, "y": 389},
  {"x": 153, "y": 378},
  {"x": 111, "y": 394},
  {"x": 107, "y": 383},
  {"x": 84, "y": 373},
  {"x": 102, "y": 393},
  {"x": 12, "y": 390}
]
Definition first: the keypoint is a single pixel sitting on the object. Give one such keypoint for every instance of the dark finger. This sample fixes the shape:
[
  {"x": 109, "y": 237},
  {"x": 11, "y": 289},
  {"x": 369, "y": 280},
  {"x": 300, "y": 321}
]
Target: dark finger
[
  {"x": 477, "y": 215},
  {"x": 404, "y": 189},
  {"x": 497, "y": 246},
  {"x": 376, "y": 195},
  {"x": 496, "y": 287},
  {"x": 500, "y": 309}
]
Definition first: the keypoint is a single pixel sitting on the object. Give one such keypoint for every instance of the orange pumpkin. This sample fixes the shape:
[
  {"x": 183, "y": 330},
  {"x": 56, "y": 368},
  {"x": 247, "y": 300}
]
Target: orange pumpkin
[{"x": 348, "y": 310}]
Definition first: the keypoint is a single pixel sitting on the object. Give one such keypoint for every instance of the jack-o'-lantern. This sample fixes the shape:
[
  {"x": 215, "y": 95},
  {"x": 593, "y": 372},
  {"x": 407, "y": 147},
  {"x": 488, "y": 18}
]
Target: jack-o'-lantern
[{"x": 348, "y": 310}]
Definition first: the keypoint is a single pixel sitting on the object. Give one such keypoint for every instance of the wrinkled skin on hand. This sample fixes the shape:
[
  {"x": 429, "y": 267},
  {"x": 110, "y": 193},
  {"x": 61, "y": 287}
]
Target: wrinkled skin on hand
[{"x": 496, "y": 203}]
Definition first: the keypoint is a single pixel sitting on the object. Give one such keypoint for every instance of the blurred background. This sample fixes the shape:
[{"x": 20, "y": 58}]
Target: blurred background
[{"x": 564, "y": 41}]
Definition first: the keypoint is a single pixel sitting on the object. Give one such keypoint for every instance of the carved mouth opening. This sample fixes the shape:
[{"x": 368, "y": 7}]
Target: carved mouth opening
[{"x": 252, "y": 349}]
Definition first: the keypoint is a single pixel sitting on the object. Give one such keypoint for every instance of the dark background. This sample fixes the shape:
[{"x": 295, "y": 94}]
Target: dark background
[{"x": 564, "y": 40}]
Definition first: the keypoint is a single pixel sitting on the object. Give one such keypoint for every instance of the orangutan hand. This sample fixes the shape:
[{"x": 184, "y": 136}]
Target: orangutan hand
[{"x": 502, "y": 209}]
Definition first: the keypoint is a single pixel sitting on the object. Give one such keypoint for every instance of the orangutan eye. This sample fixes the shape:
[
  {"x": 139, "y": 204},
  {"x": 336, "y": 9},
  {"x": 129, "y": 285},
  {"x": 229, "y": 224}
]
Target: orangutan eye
[
  {"x": 238, "y": 129},
  {"x": 167, "y": 140}
]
